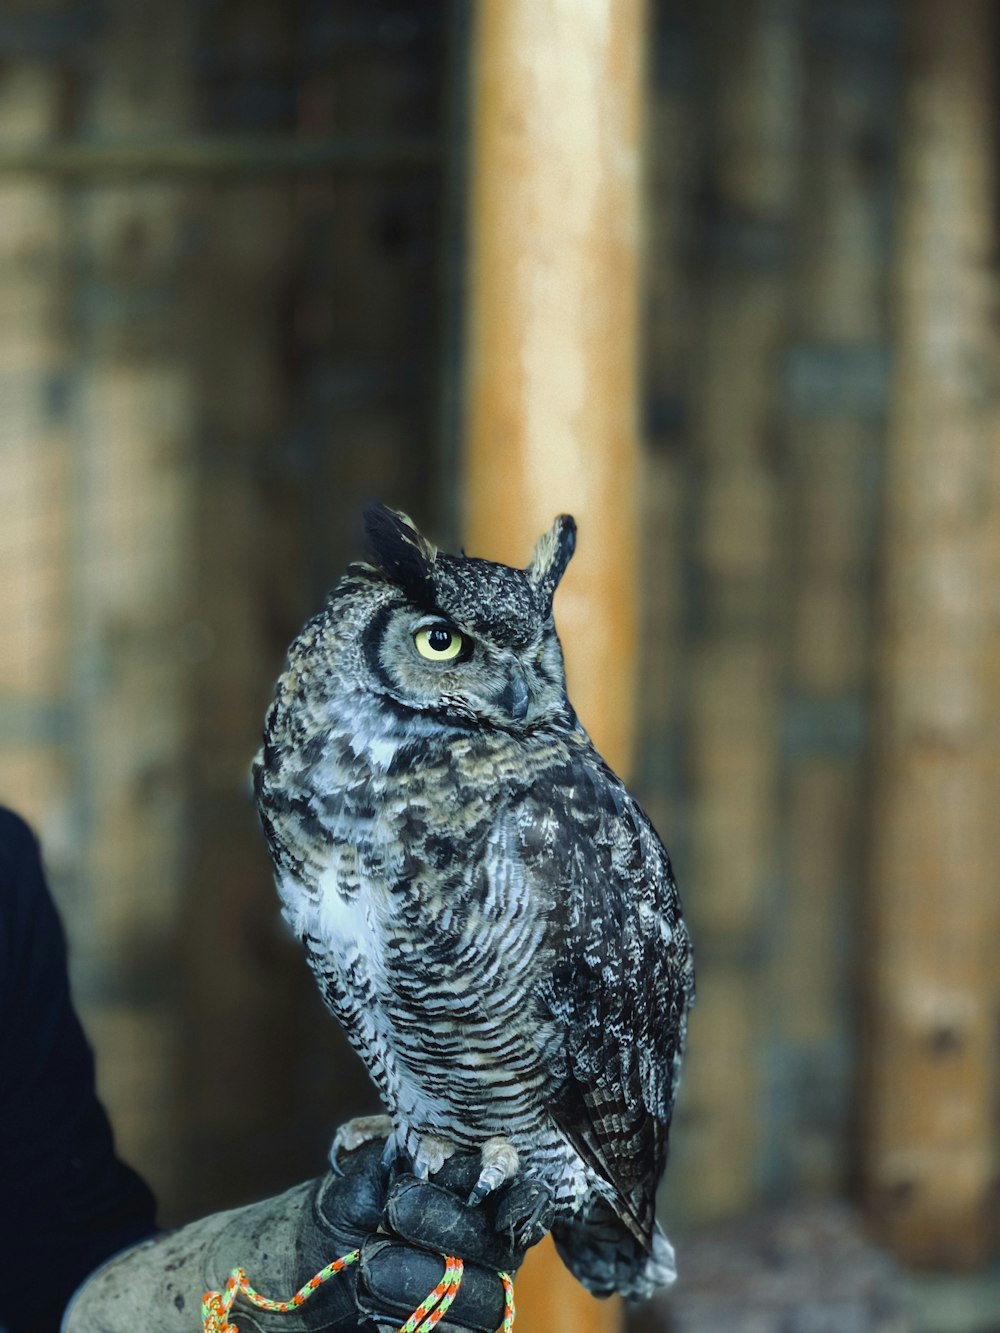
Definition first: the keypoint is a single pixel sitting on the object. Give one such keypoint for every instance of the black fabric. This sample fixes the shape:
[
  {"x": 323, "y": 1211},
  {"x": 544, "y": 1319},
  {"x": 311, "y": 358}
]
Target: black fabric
[{"x": 67, "y": 1202}]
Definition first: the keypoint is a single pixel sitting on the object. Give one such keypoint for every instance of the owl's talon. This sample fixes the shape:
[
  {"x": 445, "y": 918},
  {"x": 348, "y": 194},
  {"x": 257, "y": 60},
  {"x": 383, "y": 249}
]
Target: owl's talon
[
  {"x": 354, "y": 1133},
  {"x": 430, "y": 1156},
  {"x": 526, "y": 1211},
  {"x": 500, "y": 1163}
]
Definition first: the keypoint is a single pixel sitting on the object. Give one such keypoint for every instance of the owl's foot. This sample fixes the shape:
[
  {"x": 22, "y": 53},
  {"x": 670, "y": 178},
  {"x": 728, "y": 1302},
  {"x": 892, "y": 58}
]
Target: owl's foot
[
  {"x": 525, "y": 1211},
  {"x": 429, "y": 1155},
  {"x": 362, "y": 1129},
  {"x": 499, "y": 1164}
]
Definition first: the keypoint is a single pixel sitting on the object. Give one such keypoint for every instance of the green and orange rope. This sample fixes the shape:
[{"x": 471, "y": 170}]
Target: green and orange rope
[{"x": 216, "y": 1305}]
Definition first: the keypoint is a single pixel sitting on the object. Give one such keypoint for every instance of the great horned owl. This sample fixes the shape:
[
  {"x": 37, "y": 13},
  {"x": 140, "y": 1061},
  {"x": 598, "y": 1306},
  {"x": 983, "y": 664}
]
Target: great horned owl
[{"x": 488, "y": 912}]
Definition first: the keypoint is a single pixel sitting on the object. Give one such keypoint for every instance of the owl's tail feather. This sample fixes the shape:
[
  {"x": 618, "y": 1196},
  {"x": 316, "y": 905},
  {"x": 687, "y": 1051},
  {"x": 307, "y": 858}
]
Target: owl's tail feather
[{"x": 604, "y": 1255}]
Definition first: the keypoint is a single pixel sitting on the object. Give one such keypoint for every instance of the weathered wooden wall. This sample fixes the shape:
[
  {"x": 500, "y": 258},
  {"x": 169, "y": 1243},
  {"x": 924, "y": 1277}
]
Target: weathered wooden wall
[
  {"x": 202, "y": 378},
  {"x": 315, "y": 348},
  {"x": 824, "y": 193},
  {"x": 932, "y": 1149},
  {"x": 772, "y": 138}
]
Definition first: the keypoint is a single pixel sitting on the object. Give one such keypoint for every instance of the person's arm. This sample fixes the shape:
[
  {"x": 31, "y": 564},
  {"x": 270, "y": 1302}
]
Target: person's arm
[
  {"x": 357, "y": 1249},
  {"x": 67, "y": 1202}
]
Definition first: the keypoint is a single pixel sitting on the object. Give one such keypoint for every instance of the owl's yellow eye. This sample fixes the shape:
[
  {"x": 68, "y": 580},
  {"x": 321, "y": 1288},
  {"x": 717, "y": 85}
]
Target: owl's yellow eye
[{"x": 438, "y": 643}]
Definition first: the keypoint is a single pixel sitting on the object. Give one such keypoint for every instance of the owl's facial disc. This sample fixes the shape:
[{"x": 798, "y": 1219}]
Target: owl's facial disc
[
  {"x": 464, "y": 637},
  {"x": 428, "y": 663}
]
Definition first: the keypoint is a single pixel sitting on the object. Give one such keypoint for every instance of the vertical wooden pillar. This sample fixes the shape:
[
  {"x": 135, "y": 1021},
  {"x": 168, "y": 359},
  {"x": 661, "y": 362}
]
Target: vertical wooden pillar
[
  {"x": 932, "y": 1159},
  {"x": 834, "y": 398},
  {"x": 134, "y": 496},
  {"x": 246, "y": 505},
  {"x": 556, "y": 87},
  {"x": 738, "y": 610},
  {"x": 552, "y": 324},
  {"x": 36, "y": 491}
]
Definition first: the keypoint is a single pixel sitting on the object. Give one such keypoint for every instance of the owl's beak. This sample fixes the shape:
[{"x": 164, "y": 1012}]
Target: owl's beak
[{"x": 514, "y": 697}]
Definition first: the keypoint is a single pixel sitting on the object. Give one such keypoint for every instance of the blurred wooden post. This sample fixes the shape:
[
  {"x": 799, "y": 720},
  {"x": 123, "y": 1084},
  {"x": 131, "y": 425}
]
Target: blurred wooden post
[
  {"x": 834, "y": 391},
  {"x": 133, "y": 505},
  {"x": 556, "y": 93},
  {"x": 36, "y": 590},
  {"x": 738, "y": 607},
  {"x": 932, "y": 1092}
]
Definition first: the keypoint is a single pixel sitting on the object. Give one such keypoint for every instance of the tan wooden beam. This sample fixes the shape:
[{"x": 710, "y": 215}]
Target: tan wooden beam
[
  {"x": 932, "y": 1166},
  {"x": 556, "y": 91},
  {"x": 553, "y": 316}
]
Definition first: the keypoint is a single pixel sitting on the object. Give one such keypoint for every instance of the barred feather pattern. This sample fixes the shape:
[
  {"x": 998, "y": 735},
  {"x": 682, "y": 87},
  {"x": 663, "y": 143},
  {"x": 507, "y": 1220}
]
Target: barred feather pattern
[{"x": 488, "y": 912}]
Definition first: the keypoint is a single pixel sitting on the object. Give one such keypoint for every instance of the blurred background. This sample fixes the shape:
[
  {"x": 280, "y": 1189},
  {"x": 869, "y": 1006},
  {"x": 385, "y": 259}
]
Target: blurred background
[{"x": 240, "y": 270}]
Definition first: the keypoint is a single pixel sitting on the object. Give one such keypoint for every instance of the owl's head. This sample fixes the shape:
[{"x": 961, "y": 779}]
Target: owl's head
[{"x": 467, "y": 639}]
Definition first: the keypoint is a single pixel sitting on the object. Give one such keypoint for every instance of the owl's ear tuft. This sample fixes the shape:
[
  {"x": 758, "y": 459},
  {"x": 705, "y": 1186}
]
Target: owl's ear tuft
[
  {"x": 400, "y": 550},
  {"x": 550, "y": 557}
]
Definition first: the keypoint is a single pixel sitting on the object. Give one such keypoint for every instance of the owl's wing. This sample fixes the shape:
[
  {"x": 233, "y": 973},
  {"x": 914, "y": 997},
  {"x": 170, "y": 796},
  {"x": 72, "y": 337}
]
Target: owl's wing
[{"x": 616, "y": 978}]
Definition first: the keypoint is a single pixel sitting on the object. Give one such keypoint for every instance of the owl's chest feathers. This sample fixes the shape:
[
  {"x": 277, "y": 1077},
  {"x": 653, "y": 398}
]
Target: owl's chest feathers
[
  {"x": 412, "y": 798},
  {"x": 392, "y": 892}
]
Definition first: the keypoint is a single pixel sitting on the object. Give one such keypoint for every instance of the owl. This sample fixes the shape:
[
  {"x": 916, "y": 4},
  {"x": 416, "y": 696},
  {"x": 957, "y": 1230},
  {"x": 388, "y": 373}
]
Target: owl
[{"x": 487, "y": 911}]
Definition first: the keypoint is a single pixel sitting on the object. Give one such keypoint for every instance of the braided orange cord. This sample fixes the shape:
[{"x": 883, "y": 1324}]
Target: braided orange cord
[
  {"x": 435, "y": 1306},
  {"x": 508, "y": 1303},
  {"x": 216, "y": 1305}
]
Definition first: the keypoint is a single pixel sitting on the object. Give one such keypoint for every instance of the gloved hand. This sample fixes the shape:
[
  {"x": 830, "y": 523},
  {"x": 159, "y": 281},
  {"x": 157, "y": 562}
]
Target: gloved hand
[
  {"x": 402, "y": 1226},
  {"x": 425, "y": 1220}
]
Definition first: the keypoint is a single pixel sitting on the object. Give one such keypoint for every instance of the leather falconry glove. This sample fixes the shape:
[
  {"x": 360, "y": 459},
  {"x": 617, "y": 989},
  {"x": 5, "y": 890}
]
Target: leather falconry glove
[{"x": 402, "y": 1226}]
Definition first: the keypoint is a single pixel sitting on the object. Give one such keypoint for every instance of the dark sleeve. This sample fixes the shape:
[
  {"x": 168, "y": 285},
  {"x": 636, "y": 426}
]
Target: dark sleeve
[{"x": 66, "y": 1201}]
